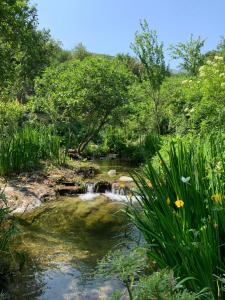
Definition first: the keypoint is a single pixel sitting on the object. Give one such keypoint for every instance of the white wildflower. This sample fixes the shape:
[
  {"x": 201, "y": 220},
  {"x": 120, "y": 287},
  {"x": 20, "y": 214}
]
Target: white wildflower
[
  {"x": 185, "y": 179},
  {"x": 218, "y": 58}
]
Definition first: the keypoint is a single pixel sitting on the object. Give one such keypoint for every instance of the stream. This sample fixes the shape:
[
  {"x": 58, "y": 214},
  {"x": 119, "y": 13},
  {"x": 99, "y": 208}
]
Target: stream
[{"x": 63, "y": 240}]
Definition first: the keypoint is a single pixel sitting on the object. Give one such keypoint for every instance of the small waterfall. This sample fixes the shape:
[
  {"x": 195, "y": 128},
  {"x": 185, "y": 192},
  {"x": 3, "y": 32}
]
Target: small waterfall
[
  {"x": 117, "y": 193},
  {"x": 90, "y": 194},
  {"x": 90, "y": 187}
]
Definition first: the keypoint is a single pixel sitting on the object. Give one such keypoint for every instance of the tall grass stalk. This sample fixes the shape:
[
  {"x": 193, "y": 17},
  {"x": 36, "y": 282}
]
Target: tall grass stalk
[
  {"x": 26, "y": 147},
  {"x": 188, "y": 235}
]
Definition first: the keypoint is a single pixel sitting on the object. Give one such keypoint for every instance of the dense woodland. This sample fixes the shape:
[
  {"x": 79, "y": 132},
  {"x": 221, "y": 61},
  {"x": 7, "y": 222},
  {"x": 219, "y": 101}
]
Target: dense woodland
[{"x": 133, "y": 105}]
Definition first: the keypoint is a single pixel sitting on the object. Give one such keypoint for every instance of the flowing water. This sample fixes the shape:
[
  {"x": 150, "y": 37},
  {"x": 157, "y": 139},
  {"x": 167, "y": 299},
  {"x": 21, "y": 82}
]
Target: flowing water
[{"x": 62, "y": 242}]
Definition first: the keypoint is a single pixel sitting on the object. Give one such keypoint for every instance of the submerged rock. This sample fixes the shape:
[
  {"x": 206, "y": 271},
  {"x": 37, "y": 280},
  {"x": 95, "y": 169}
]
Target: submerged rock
[{"x": 74, "y": 215}]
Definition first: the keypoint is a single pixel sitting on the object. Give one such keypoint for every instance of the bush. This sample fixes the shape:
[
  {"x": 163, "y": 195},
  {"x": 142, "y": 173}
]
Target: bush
[
  {"x": 182, "y": 213},
  {"x": 12, "y": 115},
  {"x": 131, "y": 268}
]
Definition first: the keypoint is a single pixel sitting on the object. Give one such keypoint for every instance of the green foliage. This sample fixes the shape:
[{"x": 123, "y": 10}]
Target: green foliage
[
  {"x": 125, "y": 267},
  {"x": 152, "y": 145},
  {"x": 150, "y": 52},
  {"x": 131, "y": 63},
  {"x": 205, "y": 96},
  {"x": 163, "y": 285},
  {"x": 221, "y": 47},
  {"x": 12, "y": 115},
  {"x": 80, "y": 52},
  {"x": 82, "y": 96},
  {"x": 130, "y": 267},
  {"x": 181, "y": 213},
  {"x": 24, "y": 50},
  {"x": 24, "y": 149},
  {"x": 190, "y": 54},
  {"x": 196, "y": 104}
]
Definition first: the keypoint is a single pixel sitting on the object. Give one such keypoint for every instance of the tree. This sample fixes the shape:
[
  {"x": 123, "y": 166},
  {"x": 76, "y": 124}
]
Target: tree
[
  {"x": 190, "y": 54},
  {"x": 80, "y": 52},
  {"x": 24, "y": 50},
  {"x": 131, "y": 63},
  {"x": 80, "y": 97},
  {"x": 150, "y": 53},
  {"x": 221, "y": 47}
]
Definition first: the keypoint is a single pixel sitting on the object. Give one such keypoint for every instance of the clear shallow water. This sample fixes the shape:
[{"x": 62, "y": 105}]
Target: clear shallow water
[
  {"x": 64, "y": 272},
  {"x": 115, "y": 164},
  {"x": 64, "y": 240},
  {"x": 63, "y": 257}
]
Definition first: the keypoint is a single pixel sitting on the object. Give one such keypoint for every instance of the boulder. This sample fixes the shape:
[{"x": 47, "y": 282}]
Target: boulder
[
  {"x": 70, "y": 190},
  {"x": 102, "y": 187},
  {"x": 126, "y": 179},
  {"x": 72, "y": 153},
  {"x": 87, "y": 172},
  {"x": 112, "y": 173}
]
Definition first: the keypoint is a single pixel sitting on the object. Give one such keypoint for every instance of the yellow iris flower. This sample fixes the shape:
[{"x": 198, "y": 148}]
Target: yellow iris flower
[
  {"x": 217, "y": 197},
  {"x": 179, "y": 203}
]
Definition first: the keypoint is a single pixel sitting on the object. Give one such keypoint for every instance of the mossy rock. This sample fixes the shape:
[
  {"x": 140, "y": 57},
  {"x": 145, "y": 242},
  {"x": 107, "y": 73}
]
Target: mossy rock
[
  {"x": 70, "y": 189},
  {"x": 87, "y": 171},
  {"x": 72, "y": 214},
  {"x": 102, "y": 186}
]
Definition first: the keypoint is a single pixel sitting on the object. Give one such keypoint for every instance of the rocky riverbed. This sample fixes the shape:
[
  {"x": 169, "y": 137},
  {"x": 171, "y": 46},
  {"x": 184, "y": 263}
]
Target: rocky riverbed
[
  {"x": 63, "y": 233},
  {"x": 27, "y": 191}
]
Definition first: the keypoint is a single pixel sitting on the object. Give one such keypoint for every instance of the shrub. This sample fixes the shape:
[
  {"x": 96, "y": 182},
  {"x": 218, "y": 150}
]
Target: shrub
[{"x": 131, "y": 268}]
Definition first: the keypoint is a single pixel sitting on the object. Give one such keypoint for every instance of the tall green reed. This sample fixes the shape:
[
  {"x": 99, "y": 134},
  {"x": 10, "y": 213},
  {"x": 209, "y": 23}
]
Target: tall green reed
[
  {"x": 181, "y": 213},
  {"x": 25, "y": 148}
]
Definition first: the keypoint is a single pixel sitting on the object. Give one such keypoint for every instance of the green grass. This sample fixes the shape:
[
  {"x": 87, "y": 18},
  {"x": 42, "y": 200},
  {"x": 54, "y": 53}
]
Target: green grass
[
  {"x": 189, "y": 239},
  {"x": 25, "y": 149}
]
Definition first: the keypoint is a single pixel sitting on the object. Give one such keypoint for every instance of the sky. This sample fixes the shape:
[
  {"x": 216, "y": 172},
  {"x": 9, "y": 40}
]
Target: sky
[{"x": 108, "y": 26}]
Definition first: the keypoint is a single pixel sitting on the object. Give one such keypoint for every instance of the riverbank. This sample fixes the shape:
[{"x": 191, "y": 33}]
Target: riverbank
[{"x": 27, "y": 191}]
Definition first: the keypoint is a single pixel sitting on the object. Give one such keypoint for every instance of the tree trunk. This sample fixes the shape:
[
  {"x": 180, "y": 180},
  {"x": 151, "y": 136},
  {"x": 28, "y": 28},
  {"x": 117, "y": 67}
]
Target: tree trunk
[
  {"x": 156, "y": 101},
  {"x": 83, "y": 144}
]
